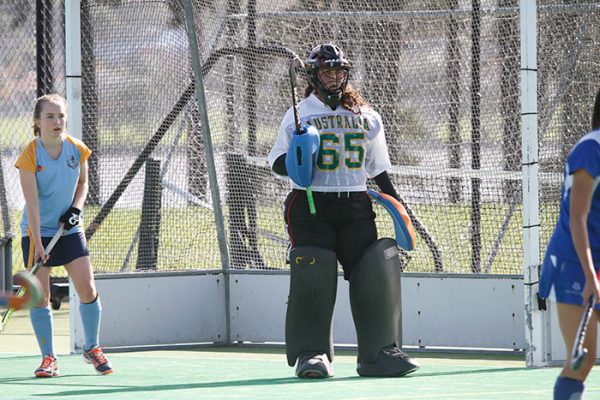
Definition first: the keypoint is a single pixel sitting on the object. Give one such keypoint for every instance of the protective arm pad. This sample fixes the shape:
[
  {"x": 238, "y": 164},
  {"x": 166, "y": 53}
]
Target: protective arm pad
[
  {"x": 405, "y": 233},
  {"x": 385, "y": 184},
  {"x": 279, "y": 166},
  {"x": 299, "y": 158}
]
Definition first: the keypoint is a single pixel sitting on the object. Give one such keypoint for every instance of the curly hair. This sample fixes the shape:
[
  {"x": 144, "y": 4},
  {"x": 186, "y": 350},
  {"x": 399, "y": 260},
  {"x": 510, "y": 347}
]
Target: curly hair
[{"x": 352, "y": 100}]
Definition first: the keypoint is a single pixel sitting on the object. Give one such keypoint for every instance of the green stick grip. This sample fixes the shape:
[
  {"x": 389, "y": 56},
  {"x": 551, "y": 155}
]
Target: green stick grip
[{"x": 311, "y": 202}]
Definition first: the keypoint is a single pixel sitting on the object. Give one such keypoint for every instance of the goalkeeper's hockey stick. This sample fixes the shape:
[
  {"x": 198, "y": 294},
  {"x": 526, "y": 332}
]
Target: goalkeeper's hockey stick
[
  {"x": 294, "y": 64},
  {"x": 579, "y": 352},
  {"x": 21, "y": 292}
]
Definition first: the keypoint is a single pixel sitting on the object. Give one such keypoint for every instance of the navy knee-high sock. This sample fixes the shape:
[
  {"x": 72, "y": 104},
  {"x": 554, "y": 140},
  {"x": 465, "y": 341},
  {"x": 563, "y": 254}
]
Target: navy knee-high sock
[{"x": 568, "y": 389}]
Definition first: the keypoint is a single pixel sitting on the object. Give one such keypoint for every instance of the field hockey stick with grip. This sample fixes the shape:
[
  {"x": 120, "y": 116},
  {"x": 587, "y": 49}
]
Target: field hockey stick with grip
[
  {"x": 294, "y": 65},
  {"x": 579, "y": 352},
  {"x": 21, "y": 292}
]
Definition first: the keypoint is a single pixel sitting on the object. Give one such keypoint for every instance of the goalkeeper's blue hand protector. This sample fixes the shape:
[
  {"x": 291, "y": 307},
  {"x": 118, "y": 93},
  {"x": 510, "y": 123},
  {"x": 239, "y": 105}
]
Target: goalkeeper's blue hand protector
[{"x": 304, "y": 147}]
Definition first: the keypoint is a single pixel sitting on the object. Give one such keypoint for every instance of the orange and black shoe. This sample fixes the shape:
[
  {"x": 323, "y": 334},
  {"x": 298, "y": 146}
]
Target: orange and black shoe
[
  {"x": 48, "y": 368},
  {"x": 96, "y": 357}
]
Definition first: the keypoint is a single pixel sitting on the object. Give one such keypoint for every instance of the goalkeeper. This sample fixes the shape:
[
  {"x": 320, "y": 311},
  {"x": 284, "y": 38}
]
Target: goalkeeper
[{"x": 345, "y": 138}]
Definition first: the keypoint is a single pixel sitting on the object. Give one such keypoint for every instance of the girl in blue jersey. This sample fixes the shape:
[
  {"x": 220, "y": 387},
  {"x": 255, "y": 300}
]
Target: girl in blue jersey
[
  {"x": 53, "y": 172},
  {"x": 569, "y": 274}
]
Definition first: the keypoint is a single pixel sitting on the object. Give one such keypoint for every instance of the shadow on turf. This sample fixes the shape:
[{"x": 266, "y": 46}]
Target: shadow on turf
[
  {"x": 207, "y": 385},
  {"x": 26, "y": 380},
  {"x": 469, "y": 372},
  {"x": 257, "y": 382}
]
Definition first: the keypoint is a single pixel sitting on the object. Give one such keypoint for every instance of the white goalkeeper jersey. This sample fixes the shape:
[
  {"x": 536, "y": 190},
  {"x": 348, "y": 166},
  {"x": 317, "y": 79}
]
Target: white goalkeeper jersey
[{"x": 353, "y": 146}]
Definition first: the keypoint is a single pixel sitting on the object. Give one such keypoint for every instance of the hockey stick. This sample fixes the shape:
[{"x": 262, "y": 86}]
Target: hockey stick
[
  {"x": 32, "y": 295},
  {"x": 294, "y": 64},
  {"x": 420, "y": 228},
  {"x": 21, "y": 292},
  {"x": 579, "y": 352}
]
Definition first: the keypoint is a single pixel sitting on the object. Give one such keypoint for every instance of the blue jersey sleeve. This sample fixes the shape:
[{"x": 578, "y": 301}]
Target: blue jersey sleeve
[{"x": 586, "y": 155}]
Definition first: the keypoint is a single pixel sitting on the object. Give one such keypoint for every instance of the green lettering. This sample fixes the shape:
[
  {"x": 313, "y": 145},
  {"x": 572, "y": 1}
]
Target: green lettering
[
  {"x": 329, "y": 158},
  {"x": 353, "y": 143},
  {"x": 331, "y": 121}
]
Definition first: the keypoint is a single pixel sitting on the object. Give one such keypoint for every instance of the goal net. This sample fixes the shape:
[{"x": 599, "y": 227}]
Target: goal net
[{"x": 445, "y": 80}]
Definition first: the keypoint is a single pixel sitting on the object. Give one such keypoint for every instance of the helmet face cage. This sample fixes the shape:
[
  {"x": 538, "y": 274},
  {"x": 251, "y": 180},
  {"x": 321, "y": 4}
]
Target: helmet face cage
[{"x": 327, "y": 56}]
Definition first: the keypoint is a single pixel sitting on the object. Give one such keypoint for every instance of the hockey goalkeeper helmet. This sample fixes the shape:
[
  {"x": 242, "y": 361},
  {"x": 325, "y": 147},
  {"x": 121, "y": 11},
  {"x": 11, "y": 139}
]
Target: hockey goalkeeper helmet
[{"x": 328, "y": 59}]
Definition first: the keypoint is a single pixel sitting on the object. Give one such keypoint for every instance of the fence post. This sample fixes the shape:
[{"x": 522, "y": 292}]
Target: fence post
[
  {"x": 535, "y": 318},
  {"x": 210, "y": 159},
  {"x": 150, "y": 219}
]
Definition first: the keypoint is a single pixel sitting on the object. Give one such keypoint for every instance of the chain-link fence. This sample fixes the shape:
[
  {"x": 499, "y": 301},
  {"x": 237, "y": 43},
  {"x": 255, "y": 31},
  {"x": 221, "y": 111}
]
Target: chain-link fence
[
  {"x": 444, "y": 75},
  {"x": 31, "y": 64}
]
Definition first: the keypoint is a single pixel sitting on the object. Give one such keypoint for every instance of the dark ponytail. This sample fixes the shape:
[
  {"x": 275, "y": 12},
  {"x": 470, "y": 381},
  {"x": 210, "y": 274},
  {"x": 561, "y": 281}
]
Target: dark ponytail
[{"x": 596, "y": 115}]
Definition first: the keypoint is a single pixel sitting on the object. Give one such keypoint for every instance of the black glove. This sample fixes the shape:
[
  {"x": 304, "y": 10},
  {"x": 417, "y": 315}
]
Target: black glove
[{"x": 71, "y": 218}]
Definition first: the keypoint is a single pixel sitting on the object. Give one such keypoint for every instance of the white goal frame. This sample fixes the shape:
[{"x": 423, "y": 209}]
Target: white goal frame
[{"x": 205, "y": 307}]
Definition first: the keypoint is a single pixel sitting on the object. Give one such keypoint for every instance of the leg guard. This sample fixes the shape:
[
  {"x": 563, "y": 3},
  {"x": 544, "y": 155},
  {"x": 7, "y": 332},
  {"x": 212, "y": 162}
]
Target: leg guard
[
  {"x": 313, "y": 285},
  {"x": 375, "y": 299}
]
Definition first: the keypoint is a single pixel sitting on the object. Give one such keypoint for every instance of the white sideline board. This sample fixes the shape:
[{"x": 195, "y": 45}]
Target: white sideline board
[
  {"x": 556, "y": 349},
  {"x": 149, "y": 309},
  {"x": 437, "y": 311}
]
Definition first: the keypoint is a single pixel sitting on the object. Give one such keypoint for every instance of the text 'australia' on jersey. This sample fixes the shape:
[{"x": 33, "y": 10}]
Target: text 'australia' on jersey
[
  {"x": 584, "y": 155},
  {"x": 352, "y": 148}
]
